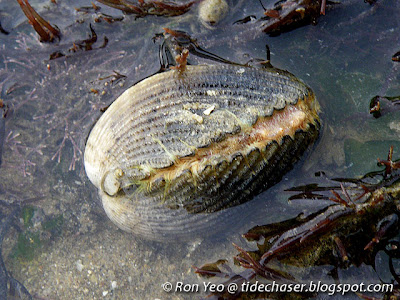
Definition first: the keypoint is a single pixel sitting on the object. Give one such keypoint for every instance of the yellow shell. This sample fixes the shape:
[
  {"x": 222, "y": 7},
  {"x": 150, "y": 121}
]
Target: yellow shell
[{"x": 178, "y": 146}]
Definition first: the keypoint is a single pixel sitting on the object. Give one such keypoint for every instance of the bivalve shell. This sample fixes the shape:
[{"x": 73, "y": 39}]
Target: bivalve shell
[{"x": 183, "y": 144}]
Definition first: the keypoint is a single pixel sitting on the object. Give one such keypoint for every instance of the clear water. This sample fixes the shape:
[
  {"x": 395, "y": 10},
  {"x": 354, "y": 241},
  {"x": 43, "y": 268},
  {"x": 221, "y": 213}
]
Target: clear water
[{"x": 345, "y": 58}]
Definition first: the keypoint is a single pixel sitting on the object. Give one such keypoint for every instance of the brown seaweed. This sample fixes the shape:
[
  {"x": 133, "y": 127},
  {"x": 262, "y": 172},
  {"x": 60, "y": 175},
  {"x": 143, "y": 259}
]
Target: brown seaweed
[
  {"x": 380, "y": 105},
  {"x": 359, "y": 222},
  {"x": 290, "y": 14},
  {"x": 46, "y": 32},
  {"x": 150, "y": 7}
]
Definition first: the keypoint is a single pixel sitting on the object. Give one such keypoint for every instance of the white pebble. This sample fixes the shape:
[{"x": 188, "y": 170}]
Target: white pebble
[
  {"x": 209, "y": 110},
  {"x": 113, "y": 285},
  {"x": 211, "y": 12}
]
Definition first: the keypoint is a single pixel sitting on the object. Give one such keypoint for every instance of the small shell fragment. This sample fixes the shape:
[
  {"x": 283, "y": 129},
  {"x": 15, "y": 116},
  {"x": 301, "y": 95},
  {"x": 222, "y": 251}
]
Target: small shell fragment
[
  {"x": 209, "y": 110},
  {"x": 178, "y": 147}
]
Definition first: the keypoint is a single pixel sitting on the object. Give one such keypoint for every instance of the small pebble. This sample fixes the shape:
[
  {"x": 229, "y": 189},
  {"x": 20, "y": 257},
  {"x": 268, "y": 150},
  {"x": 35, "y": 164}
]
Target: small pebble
[
  {"x": 113, "y": 285},
  {"x": 211, "y": 12},
  {"x": 79, "y": 265},
  {"x": 209, "y": 110}
]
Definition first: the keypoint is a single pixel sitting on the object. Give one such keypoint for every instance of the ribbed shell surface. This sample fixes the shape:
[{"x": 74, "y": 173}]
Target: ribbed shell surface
[{"x": 169, "y": 116}]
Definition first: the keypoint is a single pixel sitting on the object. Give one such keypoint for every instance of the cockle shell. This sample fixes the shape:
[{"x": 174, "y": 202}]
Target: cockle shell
[{"x": 183, "y": 144}]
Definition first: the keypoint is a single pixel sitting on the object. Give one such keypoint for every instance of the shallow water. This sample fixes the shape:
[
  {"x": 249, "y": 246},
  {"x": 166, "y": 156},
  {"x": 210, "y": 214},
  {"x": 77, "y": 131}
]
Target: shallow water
[{"x": 345, "y": 58}]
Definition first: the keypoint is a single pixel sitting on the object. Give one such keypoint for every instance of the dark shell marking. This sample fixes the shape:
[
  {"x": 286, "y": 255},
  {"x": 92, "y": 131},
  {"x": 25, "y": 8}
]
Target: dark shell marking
[{"x": 180, "y": 143}]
